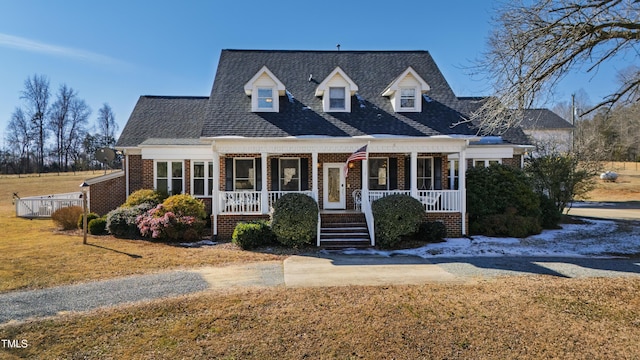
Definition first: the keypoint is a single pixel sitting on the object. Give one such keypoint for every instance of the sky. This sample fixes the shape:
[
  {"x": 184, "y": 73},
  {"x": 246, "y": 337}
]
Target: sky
[{"x": 115, "y": 51}]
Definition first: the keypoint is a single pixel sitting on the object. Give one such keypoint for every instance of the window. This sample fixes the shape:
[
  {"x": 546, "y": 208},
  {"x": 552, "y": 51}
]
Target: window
[
  {"x": 169, "y": 177},
  {"x": 289, "y": 174},
  {"x": 485, "y": 162},
  {"x": 407, "y": 98},
  {"x": 454, "y": 171},
  {"x": 210, "y": 179},
  {"x": 244, "y": 174},
  {"x": 425, "y": 173},
  {"x": 202, "y": 178},
  {"x": 336, "y": 98},
  {"x": 265, "y": 98},
  {"x": 378, "y": 174}
]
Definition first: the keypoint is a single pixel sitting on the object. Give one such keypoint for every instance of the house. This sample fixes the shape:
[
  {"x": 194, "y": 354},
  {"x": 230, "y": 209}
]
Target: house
[
  {"x": 548, "y": 129},
  {"x": 287, "y": 121}
]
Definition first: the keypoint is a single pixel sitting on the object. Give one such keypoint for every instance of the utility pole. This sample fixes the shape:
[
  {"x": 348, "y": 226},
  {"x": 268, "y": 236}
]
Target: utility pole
[{"x": 573, "y": 122}]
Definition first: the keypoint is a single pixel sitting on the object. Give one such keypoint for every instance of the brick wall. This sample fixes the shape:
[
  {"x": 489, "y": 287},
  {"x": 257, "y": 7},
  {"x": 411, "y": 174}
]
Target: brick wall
[
  {"x": 227, "y": 223},
  {"x": 451, "y": 221},
  {"x": 107, "y": 195},
  {"x": 136, "y": 173}
]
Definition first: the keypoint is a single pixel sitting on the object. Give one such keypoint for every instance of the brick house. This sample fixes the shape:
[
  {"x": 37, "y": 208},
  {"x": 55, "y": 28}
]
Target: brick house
[{"x": 287, "y": 121}]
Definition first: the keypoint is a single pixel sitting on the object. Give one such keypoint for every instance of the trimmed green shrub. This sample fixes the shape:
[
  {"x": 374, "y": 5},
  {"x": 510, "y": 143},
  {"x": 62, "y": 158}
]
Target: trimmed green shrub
[
  {"x": 396, "y": 216},
  {"x": 295, "y": 220},
  {"x": 179, "y": 217},
  {"x": 432, "y": 231},
  {"x": 121, "y": 222},
  {"x": 252, "y": 234},
  {"x": 67, "y": 217},
  {"x": 550, "y": 216},
  {"x": 90, "y": 216},
  {"x": 144, "y": 196},
  {"x": 98, "y": 226},
  {"x": 501, "y": 202}
]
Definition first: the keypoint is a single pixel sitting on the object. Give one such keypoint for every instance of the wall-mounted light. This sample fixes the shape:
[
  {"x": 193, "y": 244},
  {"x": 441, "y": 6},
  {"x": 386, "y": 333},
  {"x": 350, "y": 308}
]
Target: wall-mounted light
[{"x": 351, "y": 165}]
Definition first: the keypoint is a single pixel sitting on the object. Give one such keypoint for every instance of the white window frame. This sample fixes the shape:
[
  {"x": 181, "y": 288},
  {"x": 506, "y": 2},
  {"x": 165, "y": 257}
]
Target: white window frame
[
  {"x": 486, "y": 162},
  {"x": 386, "y": 159},
  {"x": 170, "y": 176},
  {"x": 344, "y": 98},
  {"x": 258, "y": 98},
  {"x": 403, "y": 97},
  {"x": 208, "y": 191},
  {"x": 235, "y": 169},
  {"x": 431, "y": 176},
  {"x": 454, "y": 176},
  {"x": 280, "y": 169}
]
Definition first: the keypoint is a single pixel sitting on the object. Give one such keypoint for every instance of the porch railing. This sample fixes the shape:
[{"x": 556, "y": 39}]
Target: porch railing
[
  {"x": 432, "y": 200},
  {"x": 368, "y": 215},
  {"x": 250, "y": 202},
  {"x": 44, "y": 206}
]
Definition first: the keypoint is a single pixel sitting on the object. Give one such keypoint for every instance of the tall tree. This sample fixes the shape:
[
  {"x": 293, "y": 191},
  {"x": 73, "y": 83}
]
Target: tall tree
[
  {"x": 107, "y": 125},
  {"x": 537, "y": 43},
  {"x": 59, "y": 120},
  {"x": 19, "y": 136},
  {"x": 79, "y": 113},
  {"x": 36, "y": 95}
]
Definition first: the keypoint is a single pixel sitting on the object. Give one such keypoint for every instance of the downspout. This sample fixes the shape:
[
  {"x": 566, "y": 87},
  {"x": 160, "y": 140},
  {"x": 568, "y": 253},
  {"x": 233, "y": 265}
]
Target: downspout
[
  {"x": 462, "y": 187},
  {"x": 126, "y": 174},
  {"x": 215, "y": 193}
]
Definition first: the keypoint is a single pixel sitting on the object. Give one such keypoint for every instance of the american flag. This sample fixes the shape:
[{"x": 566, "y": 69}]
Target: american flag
[{"x": 360, "y": 154}]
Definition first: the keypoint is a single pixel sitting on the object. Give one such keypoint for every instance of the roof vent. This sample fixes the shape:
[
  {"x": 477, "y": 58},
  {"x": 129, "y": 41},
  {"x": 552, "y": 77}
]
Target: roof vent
[{"x": 338, "y": 47}]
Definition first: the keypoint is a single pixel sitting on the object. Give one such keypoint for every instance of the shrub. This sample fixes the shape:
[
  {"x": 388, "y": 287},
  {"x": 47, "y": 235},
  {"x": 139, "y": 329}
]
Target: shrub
[
  {"x": 179, "y": 217},
  {"x": 144, "y": 196},
  {"x": 295, "y": 220},
  {"x": 121, "y": 222},
  {"x": 508, "y": 224},
  {"x": 90, "y": 216},
  {"x": 67, "y": 217},
  {"x": 396, "y": 216},
  {"x": 550, "y": 216},
  {"x": 98, "y": 226},
  {"x": 432, "y": 231},
  {"x": 252, "y": 234}
]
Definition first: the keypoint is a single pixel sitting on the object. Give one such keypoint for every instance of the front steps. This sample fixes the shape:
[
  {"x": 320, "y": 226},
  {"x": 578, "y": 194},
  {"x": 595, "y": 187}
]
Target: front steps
[{"x": 344, "y": 230}]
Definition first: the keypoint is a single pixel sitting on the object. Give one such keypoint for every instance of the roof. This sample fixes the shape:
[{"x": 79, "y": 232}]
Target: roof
[
  {"x": 164, "y": 117},
  {"x": 229, "y": 112},
  {"x": 543, "y": 119}
]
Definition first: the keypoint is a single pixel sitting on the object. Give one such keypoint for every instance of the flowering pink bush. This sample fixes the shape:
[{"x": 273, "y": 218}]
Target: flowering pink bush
[{"x": 158, "y": 223}]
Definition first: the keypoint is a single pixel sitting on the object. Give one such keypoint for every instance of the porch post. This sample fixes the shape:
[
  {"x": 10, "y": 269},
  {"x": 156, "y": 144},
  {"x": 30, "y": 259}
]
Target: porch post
[
  {"x": 314, "y": 175},
  {"x": 462, "y": 187},
  {"x": 414, "y": 174},
  {"x": 215, "y": 192},
  {"x": 264, "y": 193},
  {"x": 365, "y": 178}
]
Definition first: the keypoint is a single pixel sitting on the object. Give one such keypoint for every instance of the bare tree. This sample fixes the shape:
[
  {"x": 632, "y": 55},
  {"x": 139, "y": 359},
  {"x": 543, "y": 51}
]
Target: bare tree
[
  {"x": 107, "y": 125},
  {"x": 537, "y": 43},
  {"x": 59, "y": 120},
  {"x": 19, "y": 136},
  {"x": 36, "y": 96}
]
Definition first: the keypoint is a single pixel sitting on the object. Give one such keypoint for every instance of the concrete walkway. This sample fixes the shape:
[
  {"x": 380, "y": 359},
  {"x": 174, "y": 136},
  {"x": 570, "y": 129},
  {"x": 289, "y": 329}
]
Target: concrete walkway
[{"x": 330, "y": 269}]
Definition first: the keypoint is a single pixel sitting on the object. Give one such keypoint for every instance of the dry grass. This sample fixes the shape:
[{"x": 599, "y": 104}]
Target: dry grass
[
  {"x": 510, "y": 318},
  {"x": 627, "y": 188},
  {"x": 33, "y": 254}
]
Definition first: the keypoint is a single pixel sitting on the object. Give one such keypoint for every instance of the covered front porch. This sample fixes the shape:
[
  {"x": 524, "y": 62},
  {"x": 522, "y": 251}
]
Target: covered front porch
[{"x": 251, "y": 181}]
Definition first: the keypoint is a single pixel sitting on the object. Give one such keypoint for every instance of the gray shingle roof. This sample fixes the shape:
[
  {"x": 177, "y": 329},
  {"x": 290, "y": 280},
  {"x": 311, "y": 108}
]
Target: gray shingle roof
[
  {"x": 543, "y": 119},
  {"x": 164, "y": 117}
]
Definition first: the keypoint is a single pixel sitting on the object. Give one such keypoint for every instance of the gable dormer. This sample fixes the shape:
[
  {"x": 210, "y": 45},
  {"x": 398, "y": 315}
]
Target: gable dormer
[
  {"x": 406, "y": 90},
  {"x": 336, "y": 91},
  {"x": 265, "y": 90}
]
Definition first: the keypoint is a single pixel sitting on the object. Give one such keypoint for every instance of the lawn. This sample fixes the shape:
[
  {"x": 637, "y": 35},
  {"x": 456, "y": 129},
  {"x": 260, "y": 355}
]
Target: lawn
[
  {"x": 626, "y": 188},
  {"x": 33, "y": 254}
]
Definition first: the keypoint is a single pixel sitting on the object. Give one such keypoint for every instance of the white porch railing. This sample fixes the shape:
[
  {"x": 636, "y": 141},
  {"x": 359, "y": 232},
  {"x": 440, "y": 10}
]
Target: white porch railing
[
  {"x": 368, "y": 215},
  {"x": 44, "y": 206},
  {"x": 432, "y": 200},
  {"x": 250, "y": 202}
]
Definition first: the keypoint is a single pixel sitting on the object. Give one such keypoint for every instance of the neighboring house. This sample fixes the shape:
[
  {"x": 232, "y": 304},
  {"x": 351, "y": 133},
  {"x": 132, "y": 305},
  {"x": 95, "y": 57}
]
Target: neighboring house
[
  {"x": 548, "y": 129},
  {"x": 286, "y": 121}
]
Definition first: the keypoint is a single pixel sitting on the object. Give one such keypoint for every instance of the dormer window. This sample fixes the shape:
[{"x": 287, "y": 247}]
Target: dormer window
[
  {"x": 405, "y": 90},
  {"x": 336, "y": 91},
  {"x": 265, "y": 90},
  {"x": 336, "y": 98}
]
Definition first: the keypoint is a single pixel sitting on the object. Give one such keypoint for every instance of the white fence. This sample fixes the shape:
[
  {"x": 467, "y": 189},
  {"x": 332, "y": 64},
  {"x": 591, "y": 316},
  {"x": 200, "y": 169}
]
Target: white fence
[
  {"x": 44, "y": 206},
  {"x": 432, "y": 200},
  {"x": 250, "y": 202}
]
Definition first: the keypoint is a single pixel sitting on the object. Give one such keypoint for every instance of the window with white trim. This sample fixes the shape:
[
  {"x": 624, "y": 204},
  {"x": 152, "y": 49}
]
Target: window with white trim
[
  {"x": 486, "y": 162},
  {"x": 202, "y": 178},
  {"x": 244, "y": 176},
  {"x": 378, "y": 174},
  {"x": 407, "y": 98},
  {"x": 454, "y": 174},
  {"x": 425, "y": 173},
  {"x": 169, "y": 177},
  {"x": 289, "y": 174},
  {"x": 337, "y": 98},
  {"x": 265, "y": 98}
]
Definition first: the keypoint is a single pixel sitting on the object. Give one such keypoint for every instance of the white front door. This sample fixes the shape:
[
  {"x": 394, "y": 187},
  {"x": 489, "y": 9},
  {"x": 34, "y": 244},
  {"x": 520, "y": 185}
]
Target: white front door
[{"x": 334, "y": 192}]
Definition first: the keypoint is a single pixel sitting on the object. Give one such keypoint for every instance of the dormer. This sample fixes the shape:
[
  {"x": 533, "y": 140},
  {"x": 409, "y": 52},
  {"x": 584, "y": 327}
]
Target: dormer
[
  {"x": 336, "y": 91},
  {"x": 405, "y": 92},
  {"x": 265, "y": 90}
]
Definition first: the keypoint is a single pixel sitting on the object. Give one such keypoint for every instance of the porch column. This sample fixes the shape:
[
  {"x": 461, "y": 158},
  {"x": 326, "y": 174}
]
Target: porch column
[
  {"x": 462, "y": 188},
  {"x": 215, "y": 192},
  {"x": 126, "y": 173},
  {"x": 365, "y": 178},
  {"x": 414, "y": 174},
  {"x": 264, "y": 193},
  {"x": 314, "y": 175}
]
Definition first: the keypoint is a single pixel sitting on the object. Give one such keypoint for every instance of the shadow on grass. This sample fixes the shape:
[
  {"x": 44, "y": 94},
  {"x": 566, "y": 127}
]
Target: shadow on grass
[{"x": 117, "y": 251}]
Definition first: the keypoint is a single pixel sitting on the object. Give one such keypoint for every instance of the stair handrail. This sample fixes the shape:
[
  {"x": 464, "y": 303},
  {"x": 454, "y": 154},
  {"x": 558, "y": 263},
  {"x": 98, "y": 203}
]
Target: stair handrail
[{"x": 365, "y": 207}]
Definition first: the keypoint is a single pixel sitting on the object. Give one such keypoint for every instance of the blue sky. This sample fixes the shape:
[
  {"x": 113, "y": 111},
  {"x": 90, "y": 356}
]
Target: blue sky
[{"x": 114, "y": 51}]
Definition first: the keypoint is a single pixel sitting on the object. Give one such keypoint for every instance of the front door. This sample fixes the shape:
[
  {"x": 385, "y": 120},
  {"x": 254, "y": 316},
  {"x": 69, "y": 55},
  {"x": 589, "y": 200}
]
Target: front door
[{"x": 334, "y": 192}]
